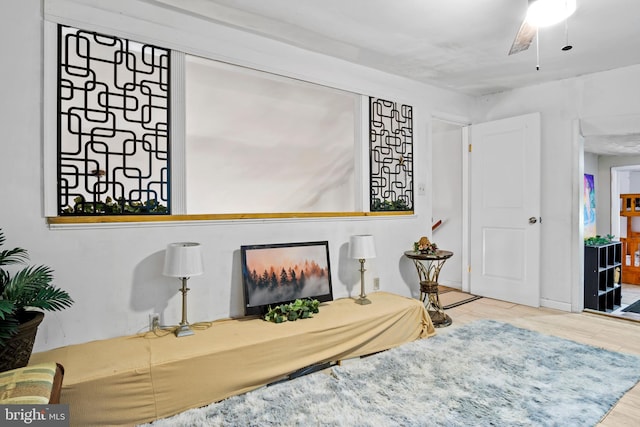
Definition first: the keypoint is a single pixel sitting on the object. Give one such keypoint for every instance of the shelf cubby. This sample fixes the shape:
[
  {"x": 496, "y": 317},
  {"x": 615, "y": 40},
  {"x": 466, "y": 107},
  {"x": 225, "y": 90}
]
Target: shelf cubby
[{"x": 602, "y": 289}]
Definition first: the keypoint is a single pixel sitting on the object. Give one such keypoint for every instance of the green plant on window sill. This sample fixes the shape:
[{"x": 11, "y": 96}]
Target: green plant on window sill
[
  {"x": 117, "y": 207},
  {"x": 599, "y": 240},
  {"x": 386, "y": 205},
  {"x": 299, "y": 309}
]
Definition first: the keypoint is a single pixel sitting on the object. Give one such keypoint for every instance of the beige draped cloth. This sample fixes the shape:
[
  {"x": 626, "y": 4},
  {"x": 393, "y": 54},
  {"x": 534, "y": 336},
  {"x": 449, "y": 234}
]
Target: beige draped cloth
[{"x": 135, "y": 379}]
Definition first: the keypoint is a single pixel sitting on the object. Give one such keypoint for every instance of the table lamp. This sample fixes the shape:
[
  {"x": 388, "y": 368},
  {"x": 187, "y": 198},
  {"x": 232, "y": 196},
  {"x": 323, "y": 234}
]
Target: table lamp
[
  {"x": 362, "y": 247},
  {"x": 183, "y": 260}
]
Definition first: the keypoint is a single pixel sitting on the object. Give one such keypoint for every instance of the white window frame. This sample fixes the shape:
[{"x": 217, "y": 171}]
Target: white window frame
[
  {"x": 135, "y": 25},
  {"x": 178, "y": 146}
]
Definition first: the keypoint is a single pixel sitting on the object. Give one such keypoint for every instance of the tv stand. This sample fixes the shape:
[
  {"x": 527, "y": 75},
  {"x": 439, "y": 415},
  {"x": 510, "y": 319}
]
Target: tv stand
[{"x": 135, "y": 379}]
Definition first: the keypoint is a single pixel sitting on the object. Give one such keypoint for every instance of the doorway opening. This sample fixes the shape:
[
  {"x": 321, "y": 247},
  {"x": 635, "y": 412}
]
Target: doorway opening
[
  {"x": 625, "y": 223},
  {"x": 614, "y": 165},
  {"x": 448, "y": 172}
]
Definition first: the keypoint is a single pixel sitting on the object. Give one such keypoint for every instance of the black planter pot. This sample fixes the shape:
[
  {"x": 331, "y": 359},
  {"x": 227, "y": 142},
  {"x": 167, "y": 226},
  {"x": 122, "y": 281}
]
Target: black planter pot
[{"x": 17, "y": 351}]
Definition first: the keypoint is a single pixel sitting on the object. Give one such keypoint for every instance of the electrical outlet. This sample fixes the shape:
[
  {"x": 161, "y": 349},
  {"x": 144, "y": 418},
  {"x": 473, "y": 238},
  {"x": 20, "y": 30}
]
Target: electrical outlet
[
  {"x": 376, "y": 283},
  {"x": 154, "y": 321},
  {"x": 422, "y": 189}
]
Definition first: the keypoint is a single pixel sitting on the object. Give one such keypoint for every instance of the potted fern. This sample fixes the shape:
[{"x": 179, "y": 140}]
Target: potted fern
[{"x": 22, "y": 295}]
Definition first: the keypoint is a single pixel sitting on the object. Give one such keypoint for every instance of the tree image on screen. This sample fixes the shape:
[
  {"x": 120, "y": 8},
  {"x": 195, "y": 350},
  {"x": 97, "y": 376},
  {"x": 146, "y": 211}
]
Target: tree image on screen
[{"x": 275, "y": 275}]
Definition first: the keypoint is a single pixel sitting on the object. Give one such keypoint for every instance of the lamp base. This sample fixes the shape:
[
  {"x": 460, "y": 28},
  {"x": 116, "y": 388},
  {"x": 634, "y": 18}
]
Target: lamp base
[
  {"x": 363, "y": 301},
  {"x": 183, "y": 331},
  {"x": 363, "y": 297}
]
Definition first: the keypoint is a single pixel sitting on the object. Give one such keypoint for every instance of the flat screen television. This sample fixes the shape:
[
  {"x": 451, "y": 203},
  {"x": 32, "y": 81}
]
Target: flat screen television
[{"x": 274, "y": 274}]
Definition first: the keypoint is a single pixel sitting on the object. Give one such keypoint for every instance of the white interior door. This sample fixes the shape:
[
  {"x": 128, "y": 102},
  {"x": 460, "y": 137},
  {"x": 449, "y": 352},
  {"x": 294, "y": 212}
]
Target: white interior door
[{"x": 505, "y": 209}]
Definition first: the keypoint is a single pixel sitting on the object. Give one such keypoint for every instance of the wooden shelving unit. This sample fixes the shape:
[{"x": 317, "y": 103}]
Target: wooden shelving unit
[
  {"x": 602, "y": 288},
  {"x": 630, "y": 209}
]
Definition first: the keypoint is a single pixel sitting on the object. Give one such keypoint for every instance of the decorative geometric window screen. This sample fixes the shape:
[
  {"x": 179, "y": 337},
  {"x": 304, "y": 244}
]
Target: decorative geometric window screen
[
  {"x": 391, "y": 155},
  {"x": 113, "y": 125}
]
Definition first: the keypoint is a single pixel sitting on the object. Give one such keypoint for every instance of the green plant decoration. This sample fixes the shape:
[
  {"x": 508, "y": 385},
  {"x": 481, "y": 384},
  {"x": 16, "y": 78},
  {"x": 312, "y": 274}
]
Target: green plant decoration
[
  {"x": 386, "y": 205},
  {"x": 299, "y": 309},
  {"x": 114, "y": 207},
  {"x": 599, "y": 240},
  {"x": 28, "y": 288}
]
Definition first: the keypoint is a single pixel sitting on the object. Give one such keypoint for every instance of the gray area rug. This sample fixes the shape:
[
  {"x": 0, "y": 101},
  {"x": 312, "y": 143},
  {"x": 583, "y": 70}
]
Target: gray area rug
[{"x": 486, "y": 373}]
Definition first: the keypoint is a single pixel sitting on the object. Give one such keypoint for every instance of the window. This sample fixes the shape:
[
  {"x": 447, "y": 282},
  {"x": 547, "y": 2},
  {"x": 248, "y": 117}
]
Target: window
[
  {"x": 257, "y": 142},
  {"x": 253, "y": 142},
  {"x": 391, "y": 148},
  {"x": 113, "y": 124}
]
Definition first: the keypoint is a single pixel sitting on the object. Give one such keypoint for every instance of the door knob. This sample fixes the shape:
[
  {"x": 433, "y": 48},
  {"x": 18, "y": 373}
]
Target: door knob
[{"x": 533, "y": 220}]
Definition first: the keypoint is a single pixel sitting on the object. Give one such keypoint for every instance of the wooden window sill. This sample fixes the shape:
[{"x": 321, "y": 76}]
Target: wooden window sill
[{"x": 103, "y": 219}]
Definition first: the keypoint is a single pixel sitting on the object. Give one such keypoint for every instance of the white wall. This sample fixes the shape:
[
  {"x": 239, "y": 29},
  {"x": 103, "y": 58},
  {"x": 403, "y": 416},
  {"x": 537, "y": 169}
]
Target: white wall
[
  {"x": 634, "y": 182},
  {"x": 608, "y": 94},
  {"x": 624, "y": 182},
  {"x": 114, "y": 273},
  {"x": 591, "y": 166}
]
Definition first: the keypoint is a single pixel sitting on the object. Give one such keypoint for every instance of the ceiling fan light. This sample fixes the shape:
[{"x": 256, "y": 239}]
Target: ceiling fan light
[{"x": 542, "y": 13}]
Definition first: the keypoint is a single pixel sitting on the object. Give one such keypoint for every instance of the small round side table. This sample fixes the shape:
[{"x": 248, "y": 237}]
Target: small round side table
[{"x": 428, "y": 266}]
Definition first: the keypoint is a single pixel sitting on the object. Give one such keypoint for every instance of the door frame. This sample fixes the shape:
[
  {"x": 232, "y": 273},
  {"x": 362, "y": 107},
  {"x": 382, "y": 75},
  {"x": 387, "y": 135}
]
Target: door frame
[
  {"x": 464, "y": 124},
  {"x": 577, "y": 254},
  {"x": 466, "y": 210},
  {"x": 577, "y": 241},
  {"x": 465, "y": 142}
]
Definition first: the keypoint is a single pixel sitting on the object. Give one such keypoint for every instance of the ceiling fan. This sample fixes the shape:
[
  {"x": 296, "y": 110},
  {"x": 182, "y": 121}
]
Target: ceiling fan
[{"x": 540, "y": 13}]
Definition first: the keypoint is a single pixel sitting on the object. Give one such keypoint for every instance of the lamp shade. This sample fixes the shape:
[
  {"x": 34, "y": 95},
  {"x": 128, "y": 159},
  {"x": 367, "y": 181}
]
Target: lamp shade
[
  {"x": 362, "y": 246},
  {"x": 183, "y": 259}
]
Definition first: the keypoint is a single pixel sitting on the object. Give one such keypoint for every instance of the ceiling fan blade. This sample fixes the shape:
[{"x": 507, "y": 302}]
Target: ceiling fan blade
[{"x": 524, "y": 38}]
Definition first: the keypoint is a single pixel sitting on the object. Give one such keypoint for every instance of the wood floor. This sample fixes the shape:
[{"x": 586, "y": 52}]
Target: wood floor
[
  {"x": 602, "y": 331},
  {"x": 630, "y": 294}
]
